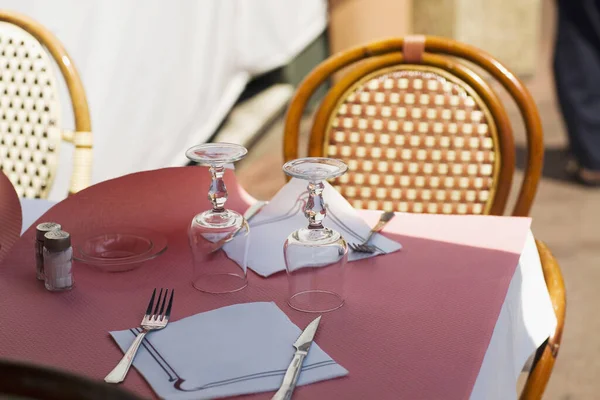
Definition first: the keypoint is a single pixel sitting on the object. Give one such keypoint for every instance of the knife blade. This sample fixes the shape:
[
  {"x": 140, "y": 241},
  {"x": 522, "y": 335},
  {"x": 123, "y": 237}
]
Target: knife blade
[{"x": 302, "y": 346}]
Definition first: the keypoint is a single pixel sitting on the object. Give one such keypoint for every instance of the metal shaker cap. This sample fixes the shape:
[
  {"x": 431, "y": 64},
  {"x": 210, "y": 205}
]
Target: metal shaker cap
[
  {"x": 57, "y": 240},
  {"x": 44, "y": 227}
]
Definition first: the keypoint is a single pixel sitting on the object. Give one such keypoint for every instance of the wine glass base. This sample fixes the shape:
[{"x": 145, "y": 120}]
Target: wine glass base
[
  {"x": 315, "y": 168},
  {"x": 218, "y": 220},
  {"x": 216, "y": 153},
  {"x": 316, "y": 301},
  {"x": 220, "y": 283}
]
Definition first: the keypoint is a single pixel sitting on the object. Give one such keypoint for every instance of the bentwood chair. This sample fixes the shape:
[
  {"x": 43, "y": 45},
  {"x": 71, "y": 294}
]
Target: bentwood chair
[
  {"x": 422, "y": 132},
  {"x": 26, "y": 381},
  {"x": 30, "y": 115}
]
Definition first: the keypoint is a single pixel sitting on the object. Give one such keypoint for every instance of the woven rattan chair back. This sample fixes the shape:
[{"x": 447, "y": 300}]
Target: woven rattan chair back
[
  {"x": 419, "y": 129},
  {"x": 30, "y": 111}
]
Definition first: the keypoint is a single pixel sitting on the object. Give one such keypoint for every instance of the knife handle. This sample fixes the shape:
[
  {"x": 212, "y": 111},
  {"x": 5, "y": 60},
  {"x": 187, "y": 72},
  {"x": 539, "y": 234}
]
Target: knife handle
[{"x": 291, "y": 377}]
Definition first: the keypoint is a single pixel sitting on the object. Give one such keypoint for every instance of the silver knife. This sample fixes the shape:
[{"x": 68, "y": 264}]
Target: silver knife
[{"x": 302, "y": 346}]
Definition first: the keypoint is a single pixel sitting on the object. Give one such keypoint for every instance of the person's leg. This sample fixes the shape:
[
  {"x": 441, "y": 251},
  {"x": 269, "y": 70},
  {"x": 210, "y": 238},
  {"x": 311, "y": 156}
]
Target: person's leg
[{"x": 577, "y": 77}]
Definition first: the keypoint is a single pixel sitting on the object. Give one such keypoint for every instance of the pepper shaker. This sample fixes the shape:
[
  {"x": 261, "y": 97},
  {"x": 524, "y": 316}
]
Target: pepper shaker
[
  {"x": 40, "y": 231},
  {"x": 58, "y": 257}
]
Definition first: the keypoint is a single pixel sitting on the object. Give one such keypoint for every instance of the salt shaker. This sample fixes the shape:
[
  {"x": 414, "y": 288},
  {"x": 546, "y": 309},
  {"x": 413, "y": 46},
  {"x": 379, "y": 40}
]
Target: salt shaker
[
  {"x": 58, "y": 257},
  {"x": 40, "y": 231}
]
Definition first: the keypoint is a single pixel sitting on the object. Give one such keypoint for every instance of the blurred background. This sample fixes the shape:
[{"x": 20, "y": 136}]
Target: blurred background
[{"x": 161, "y": 76}]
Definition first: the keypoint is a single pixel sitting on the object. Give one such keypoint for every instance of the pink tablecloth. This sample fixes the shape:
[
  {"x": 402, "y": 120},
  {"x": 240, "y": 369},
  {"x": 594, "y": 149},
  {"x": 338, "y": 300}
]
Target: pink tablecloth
[{"x": 417, "y": 323}]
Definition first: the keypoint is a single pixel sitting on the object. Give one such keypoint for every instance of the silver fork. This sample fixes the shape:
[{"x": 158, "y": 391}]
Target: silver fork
[
  {"x": 365, "y": 247},
  {"x": 152, "y": 321}
]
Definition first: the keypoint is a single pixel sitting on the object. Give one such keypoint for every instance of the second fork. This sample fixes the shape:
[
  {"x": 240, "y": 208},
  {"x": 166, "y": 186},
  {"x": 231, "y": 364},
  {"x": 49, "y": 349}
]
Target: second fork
[
  {"x": 153, "y": 320},
  {"x": 365, "y": 247}
]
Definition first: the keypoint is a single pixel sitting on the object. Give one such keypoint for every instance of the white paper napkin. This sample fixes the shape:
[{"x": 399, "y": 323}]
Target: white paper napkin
[
  {"x": 230, "y": 351},
  {"x": 270, "y": 228}
]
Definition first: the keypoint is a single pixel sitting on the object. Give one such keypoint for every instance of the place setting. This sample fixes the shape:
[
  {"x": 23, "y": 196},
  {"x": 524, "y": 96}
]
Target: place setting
[{"x": 204, "y": 356}]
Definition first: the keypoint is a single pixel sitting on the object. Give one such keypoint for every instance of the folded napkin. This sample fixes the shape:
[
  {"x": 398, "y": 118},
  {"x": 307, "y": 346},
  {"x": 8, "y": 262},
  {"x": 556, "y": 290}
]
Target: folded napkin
[
  {"x": 230, "y": 351},
  {"x": 270, "y": 228}
]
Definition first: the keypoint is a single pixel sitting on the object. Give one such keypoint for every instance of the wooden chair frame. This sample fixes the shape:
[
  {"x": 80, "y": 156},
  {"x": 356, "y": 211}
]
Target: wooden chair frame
[
  {"x": 82, "y": 137},
  {"x": 435, "y": 50}
]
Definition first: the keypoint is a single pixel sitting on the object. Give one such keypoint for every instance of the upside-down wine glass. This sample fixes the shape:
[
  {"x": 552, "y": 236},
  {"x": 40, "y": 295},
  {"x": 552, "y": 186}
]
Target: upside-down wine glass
[
  {"x": 315, "y": 256},
  {"x": 219, "y": 237}
]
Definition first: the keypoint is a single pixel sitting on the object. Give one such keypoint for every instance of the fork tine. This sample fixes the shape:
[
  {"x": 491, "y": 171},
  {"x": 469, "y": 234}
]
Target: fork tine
[
  {"x": 162, "y": 307},
  {"x": 158, "y": 302},
  {"x": 362, "y": 248},
  {"x": 149, "y": 309},
  {"x": 168, "y": 312}
]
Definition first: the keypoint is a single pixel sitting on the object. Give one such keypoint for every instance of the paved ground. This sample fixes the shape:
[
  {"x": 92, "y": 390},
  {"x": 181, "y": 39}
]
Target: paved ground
[{"x": 566, "y": 216}]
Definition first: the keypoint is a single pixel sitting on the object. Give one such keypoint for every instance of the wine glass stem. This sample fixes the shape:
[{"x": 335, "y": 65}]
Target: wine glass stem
[
  {"x": 314, "y": 210},
  {"x": 217, "y": 193}
]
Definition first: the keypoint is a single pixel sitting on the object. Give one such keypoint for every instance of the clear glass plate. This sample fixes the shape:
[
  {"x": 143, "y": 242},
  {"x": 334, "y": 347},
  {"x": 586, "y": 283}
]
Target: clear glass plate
[
  {"x": 115, "y": 246},
  {"x": 118, "y": 249}
]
